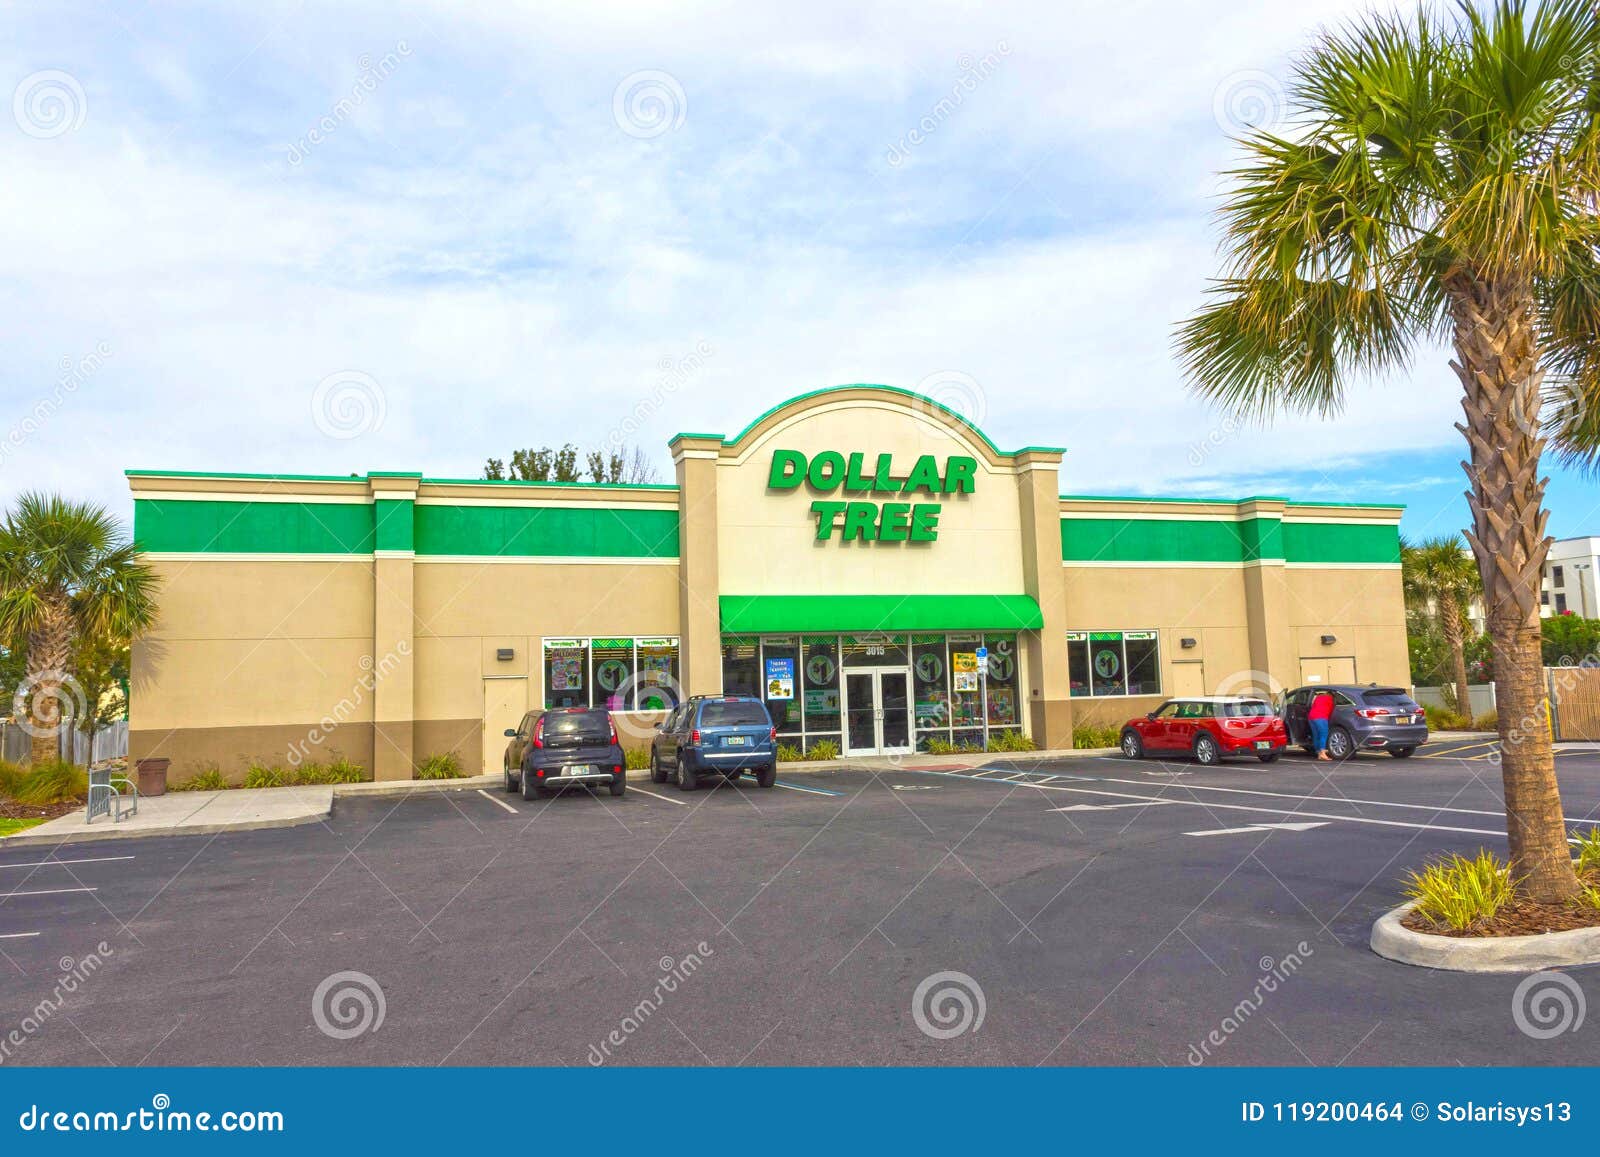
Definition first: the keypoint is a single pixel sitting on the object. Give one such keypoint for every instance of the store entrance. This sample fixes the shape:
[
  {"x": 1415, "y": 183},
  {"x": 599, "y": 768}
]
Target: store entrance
[{"x": 877, "y": 711}]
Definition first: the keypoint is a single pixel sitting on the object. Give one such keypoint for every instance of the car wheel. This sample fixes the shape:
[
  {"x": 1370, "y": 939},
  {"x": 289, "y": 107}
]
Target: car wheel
[
  {"x": 530, "y": 787},
  {"x": 1340, "y": 745},
  {"x": 1401, "y": 752},
  {"x": 658, "y": 774},
  {"x": 767, "y": 776},
  {"x": 687, "y": 780},
  {"x": 511, "y": 784},
  {"x": 1132, "y": 746},
  {"x": 619, "y": 786},
  {"x": 1206, "y": 751},
  {"x": 1270, "y": 757}
]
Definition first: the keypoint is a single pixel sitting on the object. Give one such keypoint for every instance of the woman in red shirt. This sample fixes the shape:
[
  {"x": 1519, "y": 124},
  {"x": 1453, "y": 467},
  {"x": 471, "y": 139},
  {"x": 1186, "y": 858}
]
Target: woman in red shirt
[{"x": 1317, "y": 715}]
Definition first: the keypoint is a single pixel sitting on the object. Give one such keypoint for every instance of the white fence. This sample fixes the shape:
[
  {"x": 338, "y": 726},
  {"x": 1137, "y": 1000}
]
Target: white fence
[
  {"x": 1481, "y": 694},
  {"x": 110, "y": 742}
]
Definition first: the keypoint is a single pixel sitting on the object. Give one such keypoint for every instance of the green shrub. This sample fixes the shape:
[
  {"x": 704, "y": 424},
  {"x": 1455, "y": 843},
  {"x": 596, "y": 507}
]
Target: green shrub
[
  {"x": 1090, "y": 736},
  {"x": 1488, "y": 721},
  {"x": 790, "y": 753},
  {"x": 208, "y": 778},
  {"x": 260, "y": 775},
  {"x": 823, "y": 749},
  {"x": 1458, "y": 892},
  {"x": 1010, "y": 739},
  {"x": 636, "y": 758},
  {"x": 11, "y": 777},
  {"x": 54, "y": 782},
  {"x": 937, "y": 746},
  {"x": 1443, "y": 719},
  {"x": 1590, "y": 896},
  {"x": 1588, "y": 858},
  {"x": 341, "y": 770},
  {"x": 442, "y": 765}
]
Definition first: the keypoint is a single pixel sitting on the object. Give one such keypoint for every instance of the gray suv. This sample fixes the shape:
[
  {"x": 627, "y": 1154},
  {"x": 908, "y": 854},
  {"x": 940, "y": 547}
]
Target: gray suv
[{"x": 1365, "y": 718}]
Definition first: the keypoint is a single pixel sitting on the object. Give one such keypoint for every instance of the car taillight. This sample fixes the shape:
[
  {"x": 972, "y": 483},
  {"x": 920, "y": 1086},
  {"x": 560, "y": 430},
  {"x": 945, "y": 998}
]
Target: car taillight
[
  {"x": 1373, "y": 712},
  {"x": 538, "y": 734},
  {"x": 540, "y": 773},
  {"x": 613, "y": 731},
  {"x": 617, "y": 769},
  {"x": 772, "y": 734},
  {"x": 694, "y": 736}
]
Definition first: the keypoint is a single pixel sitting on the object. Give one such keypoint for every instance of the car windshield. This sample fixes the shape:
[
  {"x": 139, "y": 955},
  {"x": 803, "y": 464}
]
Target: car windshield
[
  {"x": 582, "y": 724},
  {"x": 1250, "y": 710},
  {"x": 1387, "y": 697},
  {"x": 737, "y": 713}
]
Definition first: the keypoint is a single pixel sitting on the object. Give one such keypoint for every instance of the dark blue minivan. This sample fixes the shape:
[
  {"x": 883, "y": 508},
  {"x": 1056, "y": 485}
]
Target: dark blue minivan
[{"x": 724, "y": 735}]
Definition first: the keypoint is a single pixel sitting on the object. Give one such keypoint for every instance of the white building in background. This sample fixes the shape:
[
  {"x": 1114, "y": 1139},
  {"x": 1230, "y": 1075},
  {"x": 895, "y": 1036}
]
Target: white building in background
[{"x": 1570, "y": 576}]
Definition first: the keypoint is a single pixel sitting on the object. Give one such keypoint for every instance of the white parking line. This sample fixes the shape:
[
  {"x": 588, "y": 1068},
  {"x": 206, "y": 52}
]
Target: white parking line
[
  {"x": 1239, "y": 807},
  {"x": 45, "y": 892},
  {"x": 1426, "y": 807},
  {"x": 658, "y": 795},
  {"x": 498, "y": 802},
  {"x": 53, "y": 863},
  {"x": 16, "y": 935}
]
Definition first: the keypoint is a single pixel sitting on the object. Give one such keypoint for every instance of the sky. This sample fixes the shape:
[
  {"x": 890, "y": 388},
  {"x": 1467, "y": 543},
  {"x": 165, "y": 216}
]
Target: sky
[{"x": 300, "y": 238}]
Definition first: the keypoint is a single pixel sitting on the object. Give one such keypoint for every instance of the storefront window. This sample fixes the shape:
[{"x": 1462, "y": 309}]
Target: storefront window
[
  {"x": 741, "y": 674},
  {"x": 780, "y": 659},
  {"x": 966, "y": 707},
  {"x": 613, "y": 672},
  {"x": 655, "y": 685},
  {"x": 820, "y": 675},
  {"x": 1114, "y": 663},
  {"x": 875, "y": 650},
  {"x": 1002, "y": 680},
  {"x": 566, "y": 672},
  {"x": 930, "y": 682}
]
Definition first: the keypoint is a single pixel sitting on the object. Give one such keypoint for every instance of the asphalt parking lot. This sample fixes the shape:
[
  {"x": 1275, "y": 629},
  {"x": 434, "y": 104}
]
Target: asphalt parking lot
[{"x": 1097, "y": 911}]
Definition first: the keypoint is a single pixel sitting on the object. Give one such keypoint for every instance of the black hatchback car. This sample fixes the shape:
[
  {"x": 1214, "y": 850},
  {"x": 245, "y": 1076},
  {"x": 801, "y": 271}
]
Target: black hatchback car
[
  {"x": 724, "y": 735},
  {"x": 1365, "y": 718},
  {"x": 564, "y": 747}
]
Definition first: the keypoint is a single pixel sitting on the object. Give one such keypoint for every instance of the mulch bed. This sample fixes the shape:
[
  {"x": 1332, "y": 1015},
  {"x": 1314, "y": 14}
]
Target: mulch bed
[
  {"x": 1518, "y": 918},
  {"x": 12, "y": 810}
]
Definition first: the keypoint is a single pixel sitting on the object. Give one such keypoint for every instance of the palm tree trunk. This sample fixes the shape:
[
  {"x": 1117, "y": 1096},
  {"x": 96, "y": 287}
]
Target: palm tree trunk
[
  {"x": 1497, "y": 360},
  {"x": 1450, "y": 616},
  {"x": 49, "y": 651}
]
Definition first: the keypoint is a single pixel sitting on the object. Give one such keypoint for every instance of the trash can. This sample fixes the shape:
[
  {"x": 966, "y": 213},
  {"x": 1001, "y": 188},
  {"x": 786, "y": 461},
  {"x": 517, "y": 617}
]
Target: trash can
[{"x": 152, "y": 776}]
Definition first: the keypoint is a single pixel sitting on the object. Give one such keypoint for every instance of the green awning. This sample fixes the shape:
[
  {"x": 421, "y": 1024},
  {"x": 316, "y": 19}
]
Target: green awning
[{"x": 786, "y": 613}]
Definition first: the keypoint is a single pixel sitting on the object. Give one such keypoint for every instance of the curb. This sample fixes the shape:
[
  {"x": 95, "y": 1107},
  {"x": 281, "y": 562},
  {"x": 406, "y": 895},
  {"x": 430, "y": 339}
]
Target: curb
[
  {"x": 1393, "y": 941},
  {"x": 110, "y": 832}
]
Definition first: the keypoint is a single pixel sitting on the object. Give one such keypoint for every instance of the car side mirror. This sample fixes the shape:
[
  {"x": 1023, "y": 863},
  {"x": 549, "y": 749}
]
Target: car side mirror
[
  {"x": 1150, "y": 715},
  {"x": 511, "y": 732}
]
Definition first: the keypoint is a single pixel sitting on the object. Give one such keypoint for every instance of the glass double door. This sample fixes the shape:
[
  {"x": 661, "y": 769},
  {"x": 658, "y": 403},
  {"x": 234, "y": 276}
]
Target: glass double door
[{"x": 877, "y": 710}]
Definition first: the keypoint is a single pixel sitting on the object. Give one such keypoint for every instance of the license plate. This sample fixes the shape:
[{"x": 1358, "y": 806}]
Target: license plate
[
  {"x": 735, "y": 740},
  {"x": 1263, "y": 744},
  {"x": 580, "y": 769}
]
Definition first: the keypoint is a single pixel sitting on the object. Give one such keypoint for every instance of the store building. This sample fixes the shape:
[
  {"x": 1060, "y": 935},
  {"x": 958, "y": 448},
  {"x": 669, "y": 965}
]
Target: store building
[{"x": 846, "y": 555}]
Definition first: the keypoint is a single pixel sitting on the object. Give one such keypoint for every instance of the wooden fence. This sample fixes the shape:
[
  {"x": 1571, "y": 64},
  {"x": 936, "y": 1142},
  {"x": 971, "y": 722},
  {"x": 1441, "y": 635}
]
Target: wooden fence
[{"x": 1575, "y": 701}]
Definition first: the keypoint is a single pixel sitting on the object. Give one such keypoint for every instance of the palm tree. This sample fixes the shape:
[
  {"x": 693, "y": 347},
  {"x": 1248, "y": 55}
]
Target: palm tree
[
  {"x": 1441, "y": 580},
  {"x": 66, "y": 571},
  {"x": 1435, "y": 182}
]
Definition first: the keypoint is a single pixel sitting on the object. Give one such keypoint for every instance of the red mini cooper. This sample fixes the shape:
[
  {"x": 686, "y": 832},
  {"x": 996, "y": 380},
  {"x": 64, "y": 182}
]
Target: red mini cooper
[{"x": 1208, "y": 727}]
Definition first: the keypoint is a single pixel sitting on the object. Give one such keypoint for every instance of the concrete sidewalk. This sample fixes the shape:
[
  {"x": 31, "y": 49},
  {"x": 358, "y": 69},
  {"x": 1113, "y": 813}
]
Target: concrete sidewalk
[{"x": 186, "y": 813}]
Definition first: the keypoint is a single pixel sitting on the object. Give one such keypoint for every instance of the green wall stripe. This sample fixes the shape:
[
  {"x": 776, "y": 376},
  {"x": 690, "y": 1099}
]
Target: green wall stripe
[
  {"x": 1168, "y": 540},
  {"x": 615, "y": 532},
  {"x": 1158, "y": 540},
  {"x": 394, "y": 523},
  {"x": 783, "y": 614},
  {"x": 1341, "y": 542},
  {"x": 163, "y": 525}
]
